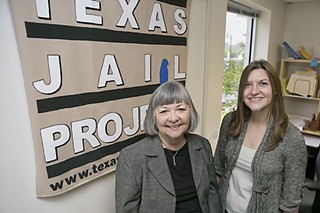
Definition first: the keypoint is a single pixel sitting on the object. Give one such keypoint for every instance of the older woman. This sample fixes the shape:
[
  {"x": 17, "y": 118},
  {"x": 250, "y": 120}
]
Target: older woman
[{"x": 171, "y": 170}]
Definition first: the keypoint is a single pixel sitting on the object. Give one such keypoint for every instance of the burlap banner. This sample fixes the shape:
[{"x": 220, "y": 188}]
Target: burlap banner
[{"x": 89, "y": 68}]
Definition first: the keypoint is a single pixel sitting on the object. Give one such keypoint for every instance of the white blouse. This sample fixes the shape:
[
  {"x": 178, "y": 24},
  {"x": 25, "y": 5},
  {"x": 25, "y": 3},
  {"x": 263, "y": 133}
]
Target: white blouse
[{"x": 240, "y": 185}]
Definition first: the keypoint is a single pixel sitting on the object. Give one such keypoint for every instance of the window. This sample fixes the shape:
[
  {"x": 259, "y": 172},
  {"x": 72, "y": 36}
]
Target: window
[{"x": 239, "y": 41}]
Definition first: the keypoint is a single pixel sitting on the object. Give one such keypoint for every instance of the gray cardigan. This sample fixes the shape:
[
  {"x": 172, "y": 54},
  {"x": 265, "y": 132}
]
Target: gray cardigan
[
  {"x": 143, "y": 180},
  {"x": 278, "y": 175}
]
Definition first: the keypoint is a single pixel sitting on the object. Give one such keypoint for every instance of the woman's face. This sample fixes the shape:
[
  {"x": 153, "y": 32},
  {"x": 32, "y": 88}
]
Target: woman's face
[
  {"x": 258, "y": 91},
  {"x": 172, "y": 121}
]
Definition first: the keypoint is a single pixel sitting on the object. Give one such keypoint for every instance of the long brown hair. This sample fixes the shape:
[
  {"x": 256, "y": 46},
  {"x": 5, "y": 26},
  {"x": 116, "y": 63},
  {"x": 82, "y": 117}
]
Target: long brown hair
[{"x": 277, "y": 111}]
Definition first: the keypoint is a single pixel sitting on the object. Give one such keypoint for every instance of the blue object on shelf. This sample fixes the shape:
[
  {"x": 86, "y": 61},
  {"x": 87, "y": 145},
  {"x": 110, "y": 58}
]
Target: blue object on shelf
[
  {"x": 292, "y": 52},
  {"x": 314, "y": 63}
]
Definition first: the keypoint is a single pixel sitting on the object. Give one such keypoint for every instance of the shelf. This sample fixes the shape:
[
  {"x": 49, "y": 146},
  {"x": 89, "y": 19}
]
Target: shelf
[
  {"x": 299, "y": 108},
  {"x": 298, "y": 121},
  {"x": 301, "y": 97},
  {"x": 303, "y": 61},
  {"x": 308, "y": 132}
]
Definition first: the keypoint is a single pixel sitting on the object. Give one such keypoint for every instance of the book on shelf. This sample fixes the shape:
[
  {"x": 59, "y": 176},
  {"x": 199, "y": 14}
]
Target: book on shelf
[{"x": 290, "y": 50}]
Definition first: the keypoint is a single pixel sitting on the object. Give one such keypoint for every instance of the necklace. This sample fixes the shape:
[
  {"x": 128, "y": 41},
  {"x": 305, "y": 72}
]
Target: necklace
[{"x": 173, "y": 156}]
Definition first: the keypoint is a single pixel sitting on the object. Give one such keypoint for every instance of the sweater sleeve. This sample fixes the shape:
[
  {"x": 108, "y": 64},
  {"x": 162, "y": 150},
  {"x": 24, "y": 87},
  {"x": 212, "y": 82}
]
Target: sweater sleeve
[
  {"x": 213, "y": 197},
  {"x": 127, "y": 190},
  {"x": 219, "y": 157},
  {"x": 295, "y": 161}
]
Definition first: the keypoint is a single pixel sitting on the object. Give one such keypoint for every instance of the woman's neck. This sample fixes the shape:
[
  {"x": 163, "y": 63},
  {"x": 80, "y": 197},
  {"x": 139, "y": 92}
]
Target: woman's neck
[
  {"x": 173, "y": 144},
  {"x": 260, "y": 118}
]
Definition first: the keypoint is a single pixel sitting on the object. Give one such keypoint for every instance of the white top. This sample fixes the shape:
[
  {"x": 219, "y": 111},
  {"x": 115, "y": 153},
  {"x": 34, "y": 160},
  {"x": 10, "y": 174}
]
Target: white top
[{"x": 240, "y": 185}]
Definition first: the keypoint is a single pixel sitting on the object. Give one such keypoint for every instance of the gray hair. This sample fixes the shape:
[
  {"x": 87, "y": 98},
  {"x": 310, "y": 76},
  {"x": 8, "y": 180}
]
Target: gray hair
[{"x": 169, "y": 93}]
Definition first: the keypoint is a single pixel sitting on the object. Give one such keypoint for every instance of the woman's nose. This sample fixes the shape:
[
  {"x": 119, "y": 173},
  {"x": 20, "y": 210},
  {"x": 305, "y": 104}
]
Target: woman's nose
[
  {"x": 173, "y": 116},
  {"x": 254, "y": 89}
]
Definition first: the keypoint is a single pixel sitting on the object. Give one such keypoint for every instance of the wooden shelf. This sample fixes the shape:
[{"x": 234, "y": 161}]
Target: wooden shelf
[
  {"x": 301, "y": 97},
  {"x": 304, "y": 61},
  {"x": 308, "y": 132},
  {"x": 298, "y": 121},
  {"x": 295, "y": 104},
  {"x": 294, "y": 62}
]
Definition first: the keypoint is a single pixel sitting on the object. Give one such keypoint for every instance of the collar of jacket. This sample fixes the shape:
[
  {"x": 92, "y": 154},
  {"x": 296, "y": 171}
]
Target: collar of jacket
[{"x": 157, "y": 162}]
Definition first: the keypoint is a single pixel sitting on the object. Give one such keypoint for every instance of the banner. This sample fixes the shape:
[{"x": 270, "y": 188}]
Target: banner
[{"x": 89, "y": 69}]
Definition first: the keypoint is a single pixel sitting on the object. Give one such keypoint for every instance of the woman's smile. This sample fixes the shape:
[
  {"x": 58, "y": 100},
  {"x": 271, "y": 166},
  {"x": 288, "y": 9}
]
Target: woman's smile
[{"x": 172, "y": 121}]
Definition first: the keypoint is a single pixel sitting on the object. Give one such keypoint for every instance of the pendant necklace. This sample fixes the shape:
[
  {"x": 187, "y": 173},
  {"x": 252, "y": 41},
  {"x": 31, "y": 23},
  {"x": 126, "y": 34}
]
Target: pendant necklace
[{"x": 174, "y": 156}]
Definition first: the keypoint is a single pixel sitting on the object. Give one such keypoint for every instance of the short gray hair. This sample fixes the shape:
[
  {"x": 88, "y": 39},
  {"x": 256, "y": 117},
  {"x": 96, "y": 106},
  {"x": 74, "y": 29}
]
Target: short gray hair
[{"x": 169, "y": 93}]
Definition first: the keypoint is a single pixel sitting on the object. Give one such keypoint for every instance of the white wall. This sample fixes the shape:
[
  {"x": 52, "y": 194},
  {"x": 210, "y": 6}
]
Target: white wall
[
  {"x": 270, "y": 29},
  {"x": 302, "y": 26},
  {"x": 204, "y": 80},
  {"x": 205, "y": 62},
  {"x": 17, "y": 180}
]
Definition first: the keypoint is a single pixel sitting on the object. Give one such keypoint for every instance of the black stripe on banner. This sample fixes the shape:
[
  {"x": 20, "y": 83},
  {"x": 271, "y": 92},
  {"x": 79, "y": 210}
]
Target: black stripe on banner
[
  {"x": 64, "y": 32},
  {"x": 70, "y": 101},
  {"x": 180, "y": 3},
  {"x": 75, "y": 162}
]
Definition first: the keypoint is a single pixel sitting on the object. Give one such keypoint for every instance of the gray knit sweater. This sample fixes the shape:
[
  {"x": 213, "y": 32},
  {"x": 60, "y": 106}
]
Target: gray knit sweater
[{"x": 278, "y": 175}]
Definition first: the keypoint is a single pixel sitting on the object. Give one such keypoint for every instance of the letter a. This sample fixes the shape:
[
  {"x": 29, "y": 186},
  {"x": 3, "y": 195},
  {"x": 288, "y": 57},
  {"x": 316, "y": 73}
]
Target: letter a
[{"x": 109, "y": 64}]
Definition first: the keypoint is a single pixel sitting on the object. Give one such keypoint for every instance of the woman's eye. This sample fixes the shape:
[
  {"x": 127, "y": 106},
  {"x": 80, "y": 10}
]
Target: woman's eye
[
  {"x": 163, "y": 111},
  {"x": 263, "y": 83},
  {"x": 181, "y": 109}
]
